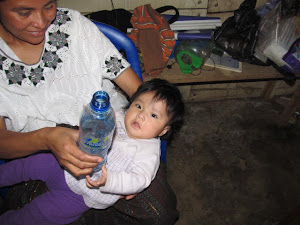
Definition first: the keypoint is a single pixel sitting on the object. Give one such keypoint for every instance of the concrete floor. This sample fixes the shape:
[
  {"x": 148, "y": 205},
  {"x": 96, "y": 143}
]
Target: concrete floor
[{"x": 231, "y": 165}]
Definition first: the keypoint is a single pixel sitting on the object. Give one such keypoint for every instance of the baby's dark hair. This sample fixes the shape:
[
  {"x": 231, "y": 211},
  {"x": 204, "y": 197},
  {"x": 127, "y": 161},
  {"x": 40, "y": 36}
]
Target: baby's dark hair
[{"x": 169, "y": 93}]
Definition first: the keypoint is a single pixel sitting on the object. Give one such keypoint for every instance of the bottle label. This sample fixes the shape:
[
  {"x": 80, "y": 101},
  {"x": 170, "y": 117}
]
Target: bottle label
[{"x": 97, "y": 143}]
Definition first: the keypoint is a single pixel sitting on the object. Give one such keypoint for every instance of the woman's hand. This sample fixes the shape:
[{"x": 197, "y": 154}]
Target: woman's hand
[
  {"x": 63, "y": 143},
  {"x": 99, "y": 182},
  {"x": 60, "y": 140}
]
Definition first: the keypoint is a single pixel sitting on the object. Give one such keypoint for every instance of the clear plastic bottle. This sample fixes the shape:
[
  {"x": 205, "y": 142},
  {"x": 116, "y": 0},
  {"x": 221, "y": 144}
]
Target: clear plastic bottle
[{"x": 96, "y": 127}]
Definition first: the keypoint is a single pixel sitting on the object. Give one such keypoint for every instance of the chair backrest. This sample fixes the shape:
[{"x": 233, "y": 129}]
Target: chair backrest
[{"x": 122, "y": 42}]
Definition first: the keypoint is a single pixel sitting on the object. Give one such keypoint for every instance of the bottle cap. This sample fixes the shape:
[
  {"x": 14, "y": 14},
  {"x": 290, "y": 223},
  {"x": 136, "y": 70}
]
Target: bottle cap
[{"x": 100, "y": 101}]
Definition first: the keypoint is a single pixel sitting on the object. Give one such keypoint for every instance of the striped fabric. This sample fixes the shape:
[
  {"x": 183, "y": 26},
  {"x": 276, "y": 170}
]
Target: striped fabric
[{"x": 145, "y": 18}]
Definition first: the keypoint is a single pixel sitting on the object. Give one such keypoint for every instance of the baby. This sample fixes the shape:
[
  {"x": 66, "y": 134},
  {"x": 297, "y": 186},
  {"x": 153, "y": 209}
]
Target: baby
[{"x": 156, "y": 110}]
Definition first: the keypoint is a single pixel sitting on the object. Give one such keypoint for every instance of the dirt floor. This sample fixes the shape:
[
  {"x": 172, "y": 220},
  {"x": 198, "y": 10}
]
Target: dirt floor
[{"x": 231, "y": 164}]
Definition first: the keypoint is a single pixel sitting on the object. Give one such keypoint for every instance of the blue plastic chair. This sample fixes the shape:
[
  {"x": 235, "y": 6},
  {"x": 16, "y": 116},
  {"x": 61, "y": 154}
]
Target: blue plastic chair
[{"x": 123, "y": 42}]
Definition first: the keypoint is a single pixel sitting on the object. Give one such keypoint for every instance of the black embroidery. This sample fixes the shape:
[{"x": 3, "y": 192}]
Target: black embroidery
[
  {"x": 61, "y": 17},
  {"x": 114, "y": 65},
  {"x": 58, "y": 39},
  {"x": 15, "y": 74},
  {"x": 36, "y": 75},
  {"x": 51, "y": 59},
  {"x": 1, "y": 62}
]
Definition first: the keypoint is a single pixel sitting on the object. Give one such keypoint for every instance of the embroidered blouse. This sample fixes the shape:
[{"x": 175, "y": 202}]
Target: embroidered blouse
[{"x": 77, "y": 61}]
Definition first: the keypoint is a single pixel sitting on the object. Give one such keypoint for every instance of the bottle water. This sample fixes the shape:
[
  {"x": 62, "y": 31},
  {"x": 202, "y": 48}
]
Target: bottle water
[{"x": 96, "y": 127}]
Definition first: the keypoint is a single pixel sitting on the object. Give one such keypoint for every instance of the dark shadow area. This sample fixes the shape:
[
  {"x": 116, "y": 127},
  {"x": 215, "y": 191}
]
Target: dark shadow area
[{"x": 232, "y": 165}]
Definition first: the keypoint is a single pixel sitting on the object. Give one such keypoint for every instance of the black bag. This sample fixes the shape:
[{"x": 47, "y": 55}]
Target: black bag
[
  {"x": 238, "y": 34},
  {"x": 120, "y": 18},
  {"x": 289, "y": 7}
]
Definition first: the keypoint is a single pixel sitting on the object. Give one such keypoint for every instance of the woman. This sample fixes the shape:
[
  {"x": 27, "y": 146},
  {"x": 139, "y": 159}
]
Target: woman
[{"x": 51, "y": 62}]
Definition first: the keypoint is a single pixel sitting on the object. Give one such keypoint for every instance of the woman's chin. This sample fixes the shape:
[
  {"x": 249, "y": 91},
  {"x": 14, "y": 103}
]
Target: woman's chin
[
  {"x": 33, "y": 41},
  {"x": 36, "y": 42}
]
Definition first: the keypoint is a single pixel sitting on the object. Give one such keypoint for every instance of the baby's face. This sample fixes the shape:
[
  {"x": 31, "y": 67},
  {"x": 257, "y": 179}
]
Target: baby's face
[{"x": 146, "y": 118}]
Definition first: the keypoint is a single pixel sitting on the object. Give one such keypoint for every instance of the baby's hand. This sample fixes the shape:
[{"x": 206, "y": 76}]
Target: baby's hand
[{"x": 99, "y": 182}]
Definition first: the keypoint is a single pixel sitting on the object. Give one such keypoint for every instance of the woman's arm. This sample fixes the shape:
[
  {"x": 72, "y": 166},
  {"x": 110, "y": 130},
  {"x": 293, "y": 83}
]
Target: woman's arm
[
  {"x": 14, "y": 144},
  {"x": 128, "y": 81},
  {"x": 61, "y": 141}
]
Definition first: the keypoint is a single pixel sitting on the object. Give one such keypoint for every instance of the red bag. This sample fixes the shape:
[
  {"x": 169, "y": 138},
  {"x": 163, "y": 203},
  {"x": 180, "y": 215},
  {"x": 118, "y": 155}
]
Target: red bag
[{"x": 153, "y": 37}]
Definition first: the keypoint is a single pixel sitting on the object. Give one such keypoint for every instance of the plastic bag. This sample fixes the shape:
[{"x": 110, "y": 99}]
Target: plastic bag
[
  {"x": 289, "y": 7},
  {"x": 279, "y": 39},
  {"x": 238, "y": 34}
]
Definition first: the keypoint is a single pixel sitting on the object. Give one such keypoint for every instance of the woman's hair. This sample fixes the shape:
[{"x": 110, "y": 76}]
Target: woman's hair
[{"x": 165, "y": 91}]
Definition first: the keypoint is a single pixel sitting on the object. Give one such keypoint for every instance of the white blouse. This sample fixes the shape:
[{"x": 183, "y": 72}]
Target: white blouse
[{"x": 77, "y": 61}]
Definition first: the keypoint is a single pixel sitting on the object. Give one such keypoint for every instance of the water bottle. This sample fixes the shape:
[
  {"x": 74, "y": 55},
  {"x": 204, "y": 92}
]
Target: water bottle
[{"x": 96, "y": 127}]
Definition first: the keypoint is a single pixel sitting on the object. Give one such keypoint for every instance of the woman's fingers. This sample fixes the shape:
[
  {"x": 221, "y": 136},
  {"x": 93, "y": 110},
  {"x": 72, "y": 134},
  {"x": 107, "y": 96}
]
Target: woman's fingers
[
  {"x": 81, "y": 165},
  {"x": 63, "y": 144}
]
